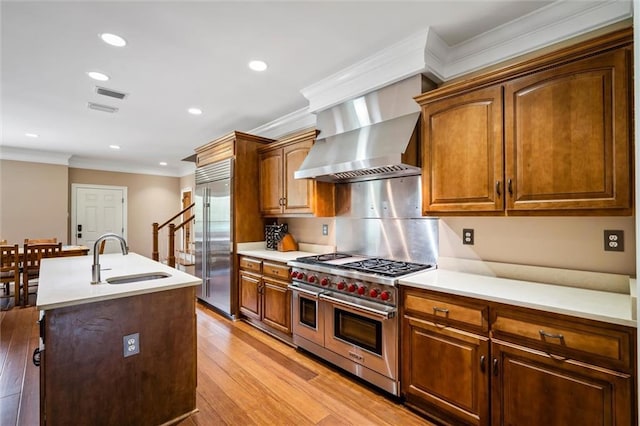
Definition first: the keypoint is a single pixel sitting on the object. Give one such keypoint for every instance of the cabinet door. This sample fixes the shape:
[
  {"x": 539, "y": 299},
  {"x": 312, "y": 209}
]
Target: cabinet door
[
  {"x": 250, "y": 287},
  {"x": 298, "y": 193},
  {"x": 532, "y": 388},
  {"x": 445, "y": 372},
  {"x": 271, "y": 198},
  {"x": 276, "y": 311},
  {"x": 567, "y": 136},
  {"x": 463, "y": 153}
]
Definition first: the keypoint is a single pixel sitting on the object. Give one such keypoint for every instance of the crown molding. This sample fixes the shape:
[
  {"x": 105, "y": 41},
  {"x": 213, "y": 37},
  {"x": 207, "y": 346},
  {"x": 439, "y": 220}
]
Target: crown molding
[
  {"x": 425, "y": 52},
  {"x": 111, "y": 166},
  {"x": 392, "y": 64},
  {"x": 544, "y": 27},
  {"x": 292, "y": 122},
  {"x": 33, "y": 156}
]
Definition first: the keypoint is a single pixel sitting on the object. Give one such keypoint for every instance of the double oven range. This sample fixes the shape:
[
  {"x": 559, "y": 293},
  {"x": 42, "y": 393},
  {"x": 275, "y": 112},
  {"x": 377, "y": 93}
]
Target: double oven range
[{"x": 345, "y": 311}]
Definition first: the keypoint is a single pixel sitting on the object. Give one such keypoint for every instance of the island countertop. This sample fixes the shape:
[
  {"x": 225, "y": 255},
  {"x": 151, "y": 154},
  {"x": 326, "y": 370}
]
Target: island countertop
[{"x": 66, "y": 281}]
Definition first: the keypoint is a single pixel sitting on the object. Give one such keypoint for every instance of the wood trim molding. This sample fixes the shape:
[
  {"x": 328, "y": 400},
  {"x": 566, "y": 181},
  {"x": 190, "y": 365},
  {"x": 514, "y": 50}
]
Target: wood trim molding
[
  {"x": 292, "y": 122},
  {"x": 425, "y": 52}
]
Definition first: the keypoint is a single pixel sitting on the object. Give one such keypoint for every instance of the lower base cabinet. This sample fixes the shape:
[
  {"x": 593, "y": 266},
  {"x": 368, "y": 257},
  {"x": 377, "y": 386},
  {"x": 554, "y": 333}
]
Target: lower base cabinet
[
  {"x": 446, "y": 372},
  {"x": 264, "y": 296},
  {"x": 472, "y": 362},
  {"x": 534, "y": 388}
]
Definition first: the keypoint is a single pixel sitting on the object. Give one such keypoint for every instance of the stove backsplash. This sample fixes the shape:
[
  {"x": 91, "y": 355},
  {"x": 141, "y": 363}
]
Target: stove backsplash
[{"x": 383, "y": 218}]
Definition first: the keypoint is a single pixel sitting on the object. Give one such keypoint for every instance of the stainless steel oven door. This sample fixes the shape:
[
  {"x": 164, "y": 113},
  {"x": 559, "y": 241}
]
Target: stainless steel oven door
[
  {"x": 362, "y": 331},
  {"x": 308, "y": 317}
]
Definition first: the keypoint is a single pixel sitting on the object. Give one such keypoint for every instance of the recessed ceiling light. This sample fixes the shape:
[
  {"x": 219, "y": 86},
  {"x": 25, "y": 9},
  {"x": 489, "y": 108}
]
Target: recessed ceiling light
[
  {"x": 98, "y": 76},
  {"x": 113, "y": 39},
  {"x": 163, "y": 163},
  {"x": 195, "y": 111},
  {"x": 114, "y": 146},
  {"x": 32, "y": 135},
  {"x": 258, "y": 65}
]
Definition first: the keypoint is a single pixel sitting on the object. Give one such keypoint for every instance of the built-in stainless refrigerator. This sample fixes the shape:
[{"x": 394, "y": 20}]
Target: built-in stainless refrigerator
[{"x": 213, "y": 234}]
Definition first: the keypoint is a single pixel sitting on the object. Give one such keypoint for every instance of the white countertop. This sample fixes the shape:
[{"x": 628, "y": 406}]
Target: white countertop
[
  {"x": 258, "y": 250},
  {"x": 590, "y": 304},
  {"x": 66, "y": 281}
]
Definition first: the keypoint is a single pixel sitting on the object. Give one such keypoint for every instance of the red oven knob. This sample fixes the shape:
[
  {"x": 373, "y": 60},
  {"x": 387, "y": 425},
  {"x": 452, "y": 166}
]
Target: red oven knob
[
  {"x": 325, "y": 281},
  {"x": 342, "y": 285},
  {"x": 373, "y": 292},
  {"x": 361, "y": 290},
  {"x": 312, "y": 279},
  {"x": 294, "y": 274},
  {"x": 351, "y": 287},
  {"x": 385, "y": 295},
  {"x": 301, "y": 276}
]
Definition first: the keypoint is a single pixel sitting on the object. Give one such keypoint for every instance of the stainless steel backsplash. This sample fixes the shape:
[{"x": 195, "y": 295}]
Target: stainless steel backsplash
[{"x": 383, "y": 218}]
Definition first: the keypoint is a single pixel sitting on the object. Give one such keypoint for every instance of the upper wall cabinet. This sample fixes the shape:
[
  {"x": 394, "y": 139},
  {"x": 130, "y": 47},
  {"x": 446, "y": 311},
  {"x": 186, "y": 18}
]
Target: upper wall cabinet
[
  {"x": 283, "y": 195},
  {"x": 547, "y": 136}
]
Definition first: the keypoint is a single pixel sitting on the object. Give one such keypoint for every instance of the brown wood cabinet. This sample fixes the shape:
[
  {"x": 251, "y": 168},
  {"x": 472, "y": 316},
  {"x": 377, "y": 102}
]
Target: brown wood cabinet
[
  {"x": 280, "y": 192},
  {"x": 86, "y": 379},
  {"x": 538, "y": 367},
  {"x": 264, "y": 297},
  {"x": 547, "y": 136},
  {"x": 445, "y": 372}
]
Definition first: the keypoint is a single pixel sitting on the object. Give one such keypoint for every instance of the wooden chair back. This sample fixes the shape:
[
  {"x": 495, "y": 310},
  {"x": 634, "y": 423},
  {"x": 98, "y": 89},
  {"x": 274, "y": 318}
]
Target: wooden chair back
[
  {"x": 31, "y": 259},
  {"x": 3, "y": 242},
  {"x": 10, "y": 269},
  {"x": 40, "y": 240}
]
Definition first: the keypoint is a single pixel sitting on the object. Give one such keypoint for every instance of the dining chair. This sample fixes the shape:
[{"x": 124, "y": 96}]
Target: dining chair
[
  {"x": 31, "y": 258},
  {"x": 10, "y": 272},
  {"x": 41, "y": 240},
  {"x": 3, "y": 242}
]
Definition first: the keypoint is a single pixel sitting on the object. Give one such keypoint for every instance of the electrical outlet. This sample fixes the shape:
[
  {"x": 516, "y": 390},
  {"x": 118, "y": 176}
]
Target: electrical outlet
[
  {"x": 467, "y": 236},
  {"x": 131, "y": 344},
  {"x": 613, "y": 240},
  {"x": 325, "y": 229}
]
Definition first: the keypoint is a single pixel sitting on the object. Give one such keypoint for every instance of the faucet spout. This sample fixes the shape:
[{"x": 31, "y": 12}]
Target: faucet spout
[{"x": 95, "y": 267}]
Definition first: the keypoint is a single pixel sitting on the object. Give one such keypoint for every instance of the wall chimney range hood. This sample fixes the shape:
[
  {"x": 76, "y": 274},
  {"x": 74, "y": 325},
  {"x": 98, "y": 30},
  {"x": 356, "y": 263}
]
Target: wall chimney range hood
[{"x": 374, "y": 136}]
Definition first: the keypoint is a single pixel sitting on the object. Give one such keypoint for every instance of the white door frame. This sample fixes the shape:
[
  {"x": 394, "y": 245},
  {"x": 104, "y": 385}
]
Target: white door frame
[{"x": 74, "y": 218}]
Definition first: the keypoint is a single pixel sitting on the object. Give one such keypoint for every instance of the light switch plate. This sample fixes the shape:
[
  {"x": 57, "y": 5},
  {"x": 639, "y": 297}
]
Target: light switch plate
[
  {"x": 613, "y": 240},
  {"x": 131, "y": 344},
  {"x": 325, "y": 229}
]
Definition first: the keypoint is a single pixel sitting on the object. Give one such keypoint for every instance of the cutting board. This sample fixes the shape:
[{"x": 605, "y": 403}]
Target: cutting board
[{"x": 287, "y": 243}]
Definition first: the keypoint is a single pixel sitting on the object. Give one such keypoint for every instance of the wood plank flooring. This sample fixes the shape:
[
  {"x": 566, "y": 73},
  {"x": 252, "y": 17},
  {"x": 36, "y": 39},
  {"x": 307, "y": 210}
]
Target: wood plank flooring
[{"x": 245, "y": 377}]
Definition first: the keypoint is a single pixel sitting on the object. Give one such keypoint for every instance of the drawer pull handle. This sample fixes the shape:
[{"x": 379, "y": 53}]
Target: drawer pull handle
[
  {"x": 510, "y": 187},
  {"x": 544, "y": 334},
  {"x": 495, "y": 366},
  {"x": 437, "y": 309},
  {"x": 498, "y": 188},
  {"x": 482, "y": 360}
]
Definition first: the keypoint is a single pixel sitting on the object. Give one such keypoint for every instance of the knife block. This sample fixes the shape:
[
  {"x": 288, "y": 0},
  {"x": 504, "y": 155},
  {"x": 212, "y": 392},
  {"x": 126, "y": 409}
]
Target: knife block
[{"x": 287, "y": 243}]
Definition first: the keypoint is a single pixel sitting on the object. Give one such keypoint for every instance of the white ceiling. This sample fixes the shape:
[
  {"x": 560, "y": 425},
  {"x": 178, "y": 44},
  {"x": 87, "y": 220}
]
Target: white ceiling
[{"x": 182, "y": 54}]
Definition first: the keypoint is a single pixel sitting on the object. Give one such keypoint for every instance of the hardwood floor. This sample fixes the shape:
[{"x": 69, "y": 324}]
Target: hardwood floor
[{"x": 245, "y": 377}]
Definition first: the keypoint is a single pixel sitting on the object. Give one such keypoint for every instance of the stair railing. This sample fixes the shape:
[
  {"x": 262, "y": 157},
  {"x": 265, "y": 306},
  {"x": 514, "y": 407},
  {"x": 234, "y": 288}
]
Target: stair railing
[{"x": 171, "y": 258}]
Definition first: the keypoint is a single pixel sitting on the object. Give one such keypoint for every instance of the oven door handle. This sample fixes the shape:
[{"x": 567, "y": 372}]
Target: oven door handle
[
  {"x": 353, "y": 306},
  {"x": 313, "y": 294}
]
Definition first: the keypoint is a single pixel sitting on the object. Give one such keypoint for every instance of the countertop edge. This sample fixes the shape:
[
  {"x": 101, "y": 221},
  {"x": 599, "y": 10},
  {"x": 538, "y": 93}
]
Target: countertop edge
[
  {"x": 102, "y": 298},
  {"x": 442, "y": 288}
]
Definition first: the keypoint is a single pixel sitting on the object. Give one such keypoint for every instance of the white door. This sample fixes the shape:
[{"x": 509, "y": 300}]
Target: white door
[{"x": 96, "y": 211}]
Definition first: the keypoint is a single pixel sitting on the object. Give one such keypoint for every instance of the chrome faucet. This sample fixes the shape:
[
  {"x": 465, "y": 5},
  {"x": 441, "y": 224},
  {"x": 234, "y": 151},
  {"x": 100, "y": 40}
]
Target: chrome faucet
[{"x": 95, "y": 268}]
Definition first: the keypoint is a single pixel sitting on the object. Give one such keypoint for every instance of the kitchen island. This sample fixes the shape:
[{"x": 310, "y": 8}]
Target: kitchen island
[{"x": 116, "y": 353}]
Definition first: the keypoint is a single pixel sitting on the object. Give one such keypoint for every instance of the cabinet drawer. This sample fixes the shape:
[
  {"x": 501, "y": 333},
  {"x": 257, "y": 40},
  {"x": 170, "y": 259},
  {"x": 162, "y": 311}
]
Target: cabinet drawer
[
  {"x": 565, "y": 336},
  {"x": 276, "y": 270},
  {"x": 442, "y": 309},
  {"x": 251, "y": 264}
]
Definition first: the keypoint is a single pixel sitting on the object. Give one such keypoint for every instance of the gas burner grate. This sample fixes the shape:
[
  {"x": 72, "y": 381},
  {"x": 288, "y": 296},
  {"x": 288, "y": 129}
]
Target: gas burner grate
[
  {"x": 389, "y": 268},
  {"x": 326, "y": 257}
]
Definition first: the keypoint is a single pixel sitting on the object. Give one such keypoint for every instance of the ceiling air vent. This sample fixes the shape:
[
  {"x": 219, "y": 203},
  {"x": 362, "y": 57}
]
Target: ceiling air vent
[
  {"x": 108, "y": 92},
  {"x": 103, "y": 108}
]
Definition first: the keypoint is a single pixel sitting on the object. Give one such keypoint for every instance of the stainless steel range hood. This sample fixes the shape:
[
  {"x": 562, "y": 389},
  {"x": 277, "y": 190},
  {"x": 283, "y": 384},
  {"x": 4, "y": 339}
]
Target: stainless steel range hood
[{"x": 371, "y": 137}]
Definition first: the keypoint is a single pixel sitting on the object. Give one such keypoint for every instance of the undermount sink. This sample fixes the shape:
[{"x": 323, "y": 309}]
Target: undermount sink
[{"x": 124, "y": 279}]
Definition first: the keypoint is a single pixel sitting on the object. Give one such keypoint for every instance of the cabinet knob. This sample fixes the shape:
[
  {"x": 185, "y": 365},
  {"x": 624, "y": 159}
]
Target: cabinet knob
[
  {"x": 498, "y": 188},
  {"x": 495, "y": 366},
  {"x": 510, "y": 187},
  {"x": 482, "y": 360}
]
